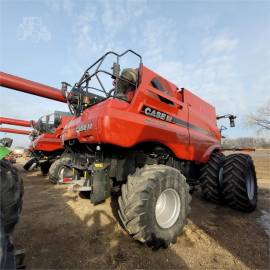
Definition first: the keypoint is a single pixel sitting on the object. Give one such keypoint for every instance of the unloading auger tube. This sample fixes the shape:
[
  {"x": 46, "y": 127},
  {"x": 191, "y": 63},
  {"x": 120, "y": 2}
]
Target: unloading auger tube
[
  {"x": 15, "y": 131},
  {"x": 16, "y": 122},
  {"x": 30, "y": 87}
]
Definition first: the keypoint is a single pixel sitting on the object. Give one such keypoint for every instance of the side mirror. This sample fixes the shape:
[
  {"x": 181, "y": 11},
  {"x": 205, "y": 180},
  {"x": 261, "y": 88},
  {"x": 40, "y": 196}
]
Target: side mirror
[
  {"x": 64, "y": 86},
  {"x": 231, "y": 118}
]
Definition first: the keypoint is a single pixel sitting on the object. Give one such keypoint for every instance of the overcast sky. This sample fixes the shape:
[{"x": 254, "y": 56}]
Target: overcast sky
[{"x": 217, "y": 49}]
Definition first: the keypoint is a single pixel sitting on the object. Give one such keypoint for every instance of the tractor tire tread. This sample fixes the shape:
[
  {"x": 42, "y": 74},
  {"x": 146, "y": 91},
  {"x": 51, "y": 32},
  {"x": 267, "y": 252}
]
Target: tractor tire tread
[
  {"x": 11, "y": 198},
  {"x": 136, "y": 195},
  {"x": 209, "y": 178},
  {"x": 234, "y": 191}
]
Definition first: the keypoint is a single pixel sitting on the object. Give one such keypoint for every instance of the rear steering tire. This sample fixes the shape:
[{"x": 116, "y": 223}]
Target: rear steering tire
[
  {"x": 210, "y": 178},
  {"x": 240, "y": 182},
  {"x": 58, "y": 170},
  {"x": 154, "y": 205},
  {"x": 30, "y": 164}
]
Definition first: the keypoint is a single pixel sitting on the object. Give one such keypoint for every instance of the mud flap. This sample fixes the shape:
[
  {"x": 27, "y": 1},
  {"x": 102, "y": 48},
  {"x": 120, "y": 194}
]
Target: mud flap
[{"x": 100, "y": 184}]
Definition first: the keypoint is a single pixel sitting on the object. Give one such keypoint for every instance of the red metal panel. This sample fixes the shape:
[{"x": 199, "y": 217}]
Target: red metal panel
[
  {"x": 15, "y": 131},
  {"x": 126, "y": 125},
  {"x": 15, "y": 122},
  {"x": 31, "y": 87},
  {"x": 47, "y": 142},
  {"x": 50, "y": 142}
]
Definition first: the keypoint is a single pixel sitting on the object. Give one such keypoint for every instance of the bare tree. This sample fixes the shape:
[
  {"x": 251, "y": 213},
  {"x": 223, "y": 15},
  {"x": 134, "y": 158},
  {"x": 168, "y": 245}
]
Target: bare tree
[
  {"x": 246, "y": 142},
  {"x": 261, "y": 119}
]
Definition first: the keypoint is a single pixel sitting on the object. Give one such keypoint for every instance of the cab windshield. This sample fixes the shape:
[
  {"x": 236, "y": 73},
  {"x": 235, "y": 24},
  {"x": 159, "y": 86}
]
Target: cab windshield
[{"x": 48, "y": 123}]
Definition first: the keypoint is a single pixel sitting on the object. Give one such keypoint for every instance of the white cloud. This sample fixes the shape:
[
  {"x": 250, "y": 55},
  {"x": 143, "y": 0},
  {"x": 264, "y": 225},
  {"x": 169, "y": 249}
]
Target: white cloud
[
  {"x": 158, "y": 38},
  {"x": 100, "y": 27},
  {"x": 214, "y": 81},
  {"x": 117, "y": 15},
  {"x": 83, "y": 28},
  {"x": 212, "y": 75},
  {"x": 66, "y": 6},
  {"x": 219, "y": 44},
  {"x": 33, "y": 29}
]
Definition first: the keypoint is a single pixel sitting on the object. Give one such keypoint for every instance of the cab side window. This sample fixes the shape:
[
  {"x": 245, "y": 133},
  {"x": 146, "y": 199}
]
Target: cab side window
[{"x": 156, "y": 83}]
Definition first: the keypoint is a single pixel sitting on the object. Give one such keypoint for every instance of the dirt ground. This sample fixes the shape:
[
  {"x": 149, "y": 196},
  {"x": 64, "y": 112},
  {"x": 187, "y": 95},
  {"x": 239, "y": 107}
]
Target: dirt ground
[{"x": 59, "y": 230}]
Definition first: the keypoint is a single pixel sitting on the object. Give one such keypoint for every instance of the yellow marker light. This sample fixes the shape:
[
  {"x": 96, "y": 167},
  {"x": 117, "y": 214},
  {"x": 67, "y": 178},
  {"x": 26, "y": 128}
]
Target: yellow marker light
[{"x": 99, "y": 165}]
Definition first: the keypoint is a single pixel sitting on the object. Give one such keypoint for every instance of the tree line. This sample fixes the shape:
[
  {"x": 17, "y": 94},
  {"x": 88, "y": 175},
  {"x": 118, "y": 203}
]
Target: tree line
[{"x": 246, "y": 142}]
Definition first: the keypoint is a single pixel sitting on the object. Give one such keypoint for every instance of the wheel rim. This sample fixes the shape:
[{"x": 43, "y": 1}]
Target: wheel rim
[
  {"x": 167, "y": 208},
  {"x": 250, "y": 184},
  {"x": 32, "y": 166},
  {"x": 61, "y": 173}
]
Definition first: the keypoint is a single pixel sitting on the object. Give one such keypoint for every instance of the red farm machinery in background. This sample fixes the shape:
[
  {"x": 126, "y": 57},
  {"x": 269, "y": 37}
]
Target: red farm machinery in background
[{"x": 46, "y": 146}]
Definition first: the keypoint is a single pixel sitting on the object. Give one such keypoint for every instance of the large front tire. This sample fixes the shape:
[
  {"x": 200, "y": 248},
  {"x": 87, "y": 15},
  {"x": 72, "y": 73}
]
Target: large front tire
[
  {"x": 240, "y": 182},
  {"x": 11, "y": 193},
  {"x": 154, "y": 205}
]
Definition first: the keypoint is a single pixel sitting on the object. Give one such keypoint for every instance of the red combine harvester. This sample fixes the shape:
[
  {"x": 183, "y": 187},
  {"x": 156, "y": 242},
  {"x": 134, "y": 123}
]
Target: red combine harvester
[
  {"x": 46, "y": 147},
  {"x": 154, "y": 141},
  {"x": 136, "y": 131}
]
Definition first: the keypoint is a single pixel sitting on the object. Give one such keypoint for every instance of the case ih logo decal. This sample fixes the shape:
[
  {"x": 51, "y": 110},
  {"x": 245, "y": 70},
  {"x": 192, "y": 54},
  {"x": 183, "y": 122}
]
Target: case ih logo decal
[
  {"x": 168, "y": 118},
  {"x": 84, "y": 127},
  {"x": 157, "y": 114}
]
